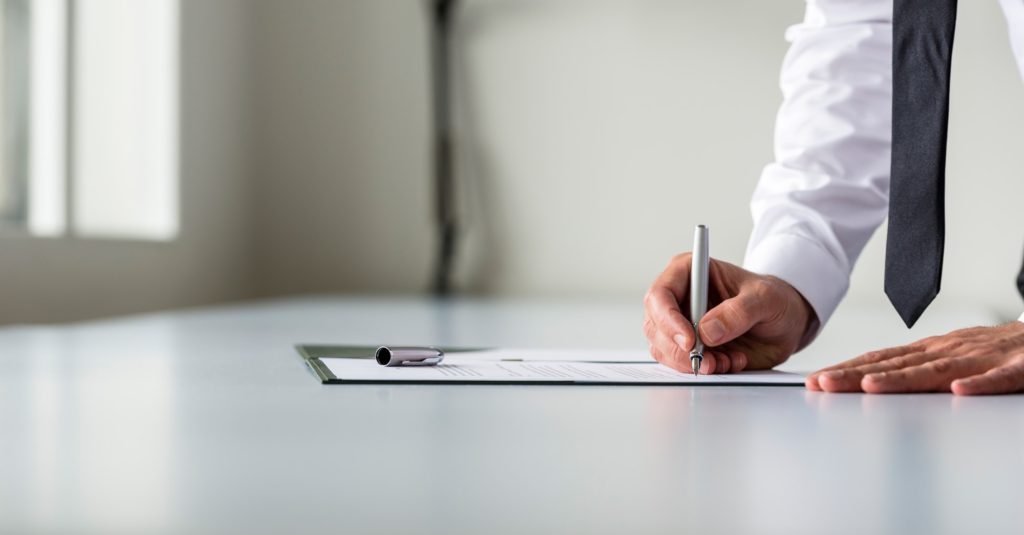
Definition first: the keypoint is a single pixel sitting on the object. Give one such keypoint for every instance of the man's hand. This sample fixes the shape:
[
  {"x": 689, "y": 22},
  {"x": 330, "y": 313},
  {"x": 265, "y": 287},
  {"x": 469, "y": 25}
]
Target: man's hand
[
  {"x": 979, "y": 360},
  {"x": 753, "y": 321}
]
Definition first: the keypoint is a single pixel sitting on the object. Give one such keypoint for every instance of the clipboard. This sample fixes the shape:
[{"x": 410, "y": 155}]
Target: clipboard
[{"x": 475, "y": 366}]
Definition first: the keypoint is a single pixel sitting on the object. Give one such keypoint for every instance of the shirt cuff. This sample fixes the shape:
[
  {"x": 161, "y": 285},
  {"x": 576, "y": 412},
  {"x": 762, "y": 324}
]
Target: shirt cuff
[
  {"x": 806, "y": 266},
  {"x": 1021, "y": 318}
]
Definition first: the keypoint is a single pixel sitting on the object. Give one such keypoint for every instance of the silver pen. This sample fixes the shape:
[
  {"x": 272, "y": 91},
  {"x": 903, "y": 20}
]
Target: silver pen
[
  {"x": 698, "y": 292},
  {"x": 391, "y": 356}
]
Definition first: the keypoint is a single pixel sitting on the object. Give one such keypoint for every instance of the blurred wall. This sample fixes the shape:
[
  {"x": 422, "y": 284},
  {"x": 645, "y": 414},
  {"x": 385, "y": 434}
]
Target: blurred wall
[
  {"x": 594, "y": 135},
  {"x": 47, "y": 279},
  {"x": 340, "y": 146}
]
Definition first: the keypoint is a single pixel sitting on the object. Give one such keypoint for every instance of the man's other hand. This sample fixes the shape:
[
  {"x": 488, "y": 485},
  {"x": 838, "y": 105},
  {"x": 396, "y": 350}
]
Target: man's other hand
[{"x": 979, "y": 360}]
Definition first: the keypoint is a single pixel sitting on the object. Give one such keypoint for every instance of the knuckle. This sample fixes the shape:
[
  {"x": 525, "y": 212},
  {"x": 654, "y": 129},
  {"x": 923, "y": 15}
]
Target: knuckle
[
  {"x": 959, "y": 332},
  {"x": 762, "y": 288},
  {"x": 648, "y": 328},
  {"x": 930, "y": 341},
  {"x": 902, "y": 361},
  {"x": 940, "y": 366},
  {"x": 666, "y": 353},
  {"x": 879, "y": 356},
  {"x": 983, "y": 349},
  {"x": 649, "y": 297},
  {"x": 969, "y": 332},
  {"x": 1015, "y": 367},
  {"x": 736, "y": 314},
  {"x": 951, "y": 344},
  {"x": 681, "y": 258},
  {"x": 1003, "y": 345},
  {"x": 1001, "y": 378},
  {"x": 765, "y": 297},
  {"x": 920, "y": 347},
  {"x": 677, "y": 354}
]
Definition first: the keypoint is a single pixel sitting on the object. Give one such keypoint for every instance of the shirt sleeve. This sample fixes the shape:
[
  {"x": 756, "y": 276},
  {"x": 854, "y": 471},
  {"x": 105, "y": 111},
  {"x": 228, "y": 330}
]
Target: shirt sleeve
[
  {"x": 818, "y": 203},
  {"x": 1014, "y": 11}
]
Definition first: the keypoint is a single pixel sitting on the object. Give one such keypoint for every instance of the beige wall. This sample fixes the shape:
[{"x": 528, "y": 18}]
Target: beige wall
[
  {"x": 585, "y": 124},
  {"x": 596, "y": 134},
  {"x": 340, "y": 152}
]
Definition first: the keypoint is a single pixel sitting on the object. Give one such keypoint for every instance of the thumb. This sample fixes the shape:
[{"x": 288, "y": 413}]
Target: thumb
[{"x": 731, "y": 319}]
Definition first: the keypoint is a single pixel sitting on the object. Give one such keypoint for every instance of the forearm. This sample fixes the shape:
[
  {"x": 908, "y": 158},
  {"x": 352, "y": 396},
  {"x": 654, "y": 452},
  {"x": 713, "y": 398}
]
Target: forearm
[{"x": 817, "y": 204}]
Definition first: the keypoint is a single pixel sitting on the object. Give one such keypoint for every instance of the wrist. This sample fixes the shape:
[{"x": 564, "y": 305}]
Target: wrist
[{"x": 802, "y": 314}]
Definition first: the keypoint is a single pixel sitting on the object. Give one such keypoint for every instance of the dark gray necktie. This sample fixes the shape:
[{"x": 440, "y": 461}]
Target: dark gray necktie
[
  {"x": 922, "y": 45},
  {"x": 1020, "y": 281}
]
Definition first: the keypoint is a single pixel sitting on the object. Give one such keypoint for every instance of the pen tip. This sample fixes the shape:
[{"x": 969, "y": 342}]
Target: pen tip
[{"x": 695, "y": 364}]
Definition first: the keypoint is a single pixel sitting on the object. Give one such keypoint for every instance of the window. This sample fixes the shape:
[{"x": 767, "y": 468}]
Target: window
[
  {"x": 125, "y": 113},
  {"x": 14, "y": 107},
  {"x": 89, "y": 114}
]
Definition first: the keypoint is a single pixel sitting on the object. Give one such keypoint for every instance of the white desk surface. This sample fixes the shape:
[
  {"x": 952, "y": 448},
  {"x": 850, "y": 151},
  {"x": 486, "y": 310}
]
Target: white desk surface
[{"x": 206, "y": 421}]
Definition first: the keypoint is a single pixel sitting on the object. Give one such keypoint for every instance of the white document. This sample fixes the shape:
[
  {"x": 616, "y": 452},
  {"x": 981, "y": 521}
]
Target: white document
[
  {"x": 469, "y": 368},
  {"x": 559, "y": 355}
]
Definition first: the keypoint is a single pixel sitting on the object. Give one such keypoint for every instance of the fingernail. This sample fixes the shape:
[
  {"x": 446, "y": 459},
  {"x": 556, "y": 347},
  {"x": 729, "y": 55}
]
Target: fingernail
[
  {"x": 833, "y": 375},
  {"x": 712, "y": 331},
  {"x": 681, "y": 342}
]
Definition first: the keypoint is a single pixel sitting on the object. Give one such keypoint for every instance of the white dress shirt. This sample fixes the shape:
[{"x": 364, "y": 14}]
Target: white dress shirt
[{"x": 827, "y": 191}]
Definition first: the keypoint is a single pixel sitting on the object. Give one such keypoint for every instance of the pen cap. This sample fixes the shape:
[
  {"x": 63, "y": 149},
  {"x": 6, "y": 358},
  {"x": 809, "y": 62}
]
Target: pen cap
[{"x": 408, "y": 356}]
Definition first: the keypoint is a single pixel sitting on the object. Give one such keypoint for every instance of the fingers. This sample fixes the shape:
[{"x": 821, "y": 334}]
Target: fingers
[
  {"x": 849, "y": 379},
  {"x": 662, "y": 308},
  {"x": 738, "y": 361},
  {"x": 722, "y": 362},
  {"x": 731, "y": 318},
  {"x": 671, "y": 334},
  {"x": 670, "y": 353},
  {"x": 982, "y": 360},
  {"x": 712, "y": 363},
  {"x": 668, "y": 331},
  {"x": 1002, "y": 380},
  {"x": 932, "y": 376},
  {"x": 709, "y": 364},
  {"x": 679, "y": 364},
  {"x": 872, "y": 357},
  {"x": 813, "y": 381}
]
